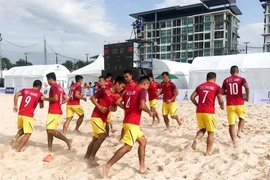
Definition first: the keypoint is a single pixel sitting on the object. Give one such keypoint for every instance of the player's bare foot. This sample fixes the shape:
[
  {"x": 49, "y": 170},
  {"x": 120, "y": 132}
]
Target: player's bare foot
[
  {"x": 180, "y": 121},
  {"x": 143, "y": 170},
  {"x": 50, "y": 149},
  {"x": 77, "y": 131},
  {"x": 194, "y": 144},
  {"x": 13, "y": 143},
  {"x": 239, "y": 134},
  {"x": 69, "y": 143},
  {"x": 113, "y": 131},
  {"x": 105, "y": 170},
  {"x": 208, "y": 154},
  {"x": 93, "y": 162},
  {"x": 235, "y": 145}
]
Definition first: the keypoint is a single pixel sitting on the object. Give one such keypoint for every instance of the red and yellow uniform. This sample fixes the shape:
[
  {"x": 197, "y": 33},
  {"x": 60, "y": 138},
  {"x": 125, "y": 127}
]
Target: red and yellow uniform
[
  {"x": 105, "y": 98},
  {"x": 30, "y": 100},
  {"x": 133, "y": 115},
  {"x": 152, "y": 94},
  {"x": 129, "y": 86},
  {"x": 55, "y": 110},
  {"x": 108, "y": 84},
  {"x": 205, "y": 112},
  {"x": 168, "y": 92},
  {"x": 234, "y": 97},
  {"x": 73, "y": 105}
]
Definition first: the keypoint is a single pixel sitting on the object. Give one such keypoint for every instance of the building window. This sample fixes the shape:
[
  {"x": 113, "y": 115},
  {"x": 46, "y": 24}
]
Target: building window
[
  {"x": 190, "y": 54},
  {"x": 199, "y": 28},
  {"x": 157, "y": 33},
  {"x": 190, "y": 21},
  {"x": 149, "y": 34},
  {"x": 163, "y": 40},
  {"x": 169, "y": 24},
  {"x": 206, "y": 44},
  {"x": 163, "y": 48},
  {"x": 207, "y": 27},
  {"x": 184, "y": 30},
  {"x": 149, "y": 56},
  {"x": 163, "y": 56},
  {"x": 184, "y": 46},
  {"x": 219, "y": 26},
  {"x": 199, "y": 19},
  {"x": 190, "y": 37},
  {"x": 206, "y": 52},
  {"x": 168, "y": 48},
  {"x": 219, "y": 34},
  {"x": 190, "y": 46},
  {"x": 149, "y": 50},
  {"x": 218, "y": 44},
  {"x": 163, "y": 25},
  {"x": 149, "y": 26},
  {"x": 176, "y": 22},
  {"x": 176, "y": 31},
  {"x": 207, "y": 36},
  {"x": 184, "y": 21},
  {"x": 169, "y": 56},
  {"x": 169, "y": 32},
  {"x": 207, "y": 18},
  {"x": 190, "y": 29},
  {"x": 163, "y": 32},
  {"x": 219, "y": 17},
  {"x": 169, "y": 40},
  {"x": 184, "y": 38},
  {"x": 176, "y": 39},
  {"x": 218, "y": 52},
  {"x": 184, "y": 55},
  {"x": 198, "y": 37}
]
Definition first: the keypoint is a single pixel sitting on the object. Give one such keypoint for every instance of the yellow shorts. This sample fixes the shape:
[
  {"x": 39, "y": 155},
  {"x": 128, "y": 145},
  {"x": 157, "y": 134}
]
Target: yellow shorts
[
  {"x": 27, "y": 123},
  {"x": 206, "y": 121},
  {"x": 233, "y": 111},
  {"x": 109, "y": 118},
  {"x": 153, "y": 103},
  {"x": 169, "y": 108},
  {"x": 132, "y": 133},
  {"x": 53, "y": 121},
  {"x": 99, "y": 127},
  {"x": 71, "y": 109}
]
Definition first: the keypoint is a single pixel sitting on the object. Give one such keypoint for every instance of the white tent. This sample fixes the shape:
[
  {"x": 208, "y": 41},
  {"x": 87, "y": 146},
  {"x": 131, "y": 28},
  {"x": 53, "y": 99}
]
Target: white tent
[
  {"x": 90, "y": 72},
  {"x": 24, "y": 76},
  {"x": 254, "y": 67},
  {"x": 180, "y": 70}
]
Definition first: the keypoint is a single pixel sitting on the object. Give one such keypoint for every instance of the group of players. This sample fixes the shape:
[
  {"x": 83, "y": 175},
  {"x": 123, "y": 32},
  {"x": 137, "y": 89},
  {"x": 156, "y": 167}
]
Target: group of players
[{"x": 131, "y": 97}]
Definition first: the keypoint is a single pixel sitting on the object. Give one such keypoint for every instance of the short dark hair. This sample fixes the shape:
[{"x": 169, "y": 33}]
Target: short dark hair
[
  {"x": 150, "y": 75},
  {"x": 127, "y": 71},
  {"x": 78, "y": 78},
  {"x": 165, "y": 73},
  {"x": 211, "y": 75},
  {"x": 120, "y": 80},
  {"x": 51, "y": 76},
  {"x": 234, "y": 69},
  {"x": 37, "y": 83},
  {"x": 108, "y": 75},
  {"x": 101, "y": 77},
  {"x": 143, "y": 79}
]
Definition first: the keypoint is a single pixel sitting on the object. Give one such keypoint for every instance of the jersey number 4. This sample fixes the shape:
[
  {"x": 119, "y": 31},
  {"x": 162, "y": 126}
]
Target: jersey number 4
[{"x": 128, "y": 103}]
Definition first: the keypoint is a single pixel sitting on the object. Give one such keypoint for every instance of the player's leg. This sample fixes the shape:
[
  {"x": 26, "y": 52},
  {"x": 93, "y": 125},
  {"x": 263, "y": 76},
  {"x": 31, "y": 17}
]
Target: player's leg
[
  {"x": 90, "y": 147},
  {"x": 240, "y": 127},
  {"x": 79, "y": 111},
  {"x": 141, "y": 153},
  {"x": 165, "y": 113},
  {"x": 156, "y": 114},
  {"x": 210, "y": 141},
  {"x": 201, "y": 132},
  {"x": 96, "y": 147},
  {"x": 23, "y": 141},
  {"x": 173, "y": 113},
  {"x": 241, "y": 114},
  {"x": 28, "y": 127},
  {"x": 210, "y": 123},
  {"x": 66, "y": 125},
  {"x": 15, "y": 139},
  {"x": 107, "y": 127},
  {"x": 231, "y": 119},
  {"x": 154, "y": 117}
]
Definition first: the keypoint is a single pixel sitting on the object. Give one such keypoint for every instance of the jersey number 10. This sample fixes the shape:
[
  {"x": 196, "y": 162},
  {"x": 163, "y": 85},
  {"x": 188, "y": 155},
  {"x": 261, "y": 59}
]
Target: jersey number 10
[{"x": 233, "y": 88}]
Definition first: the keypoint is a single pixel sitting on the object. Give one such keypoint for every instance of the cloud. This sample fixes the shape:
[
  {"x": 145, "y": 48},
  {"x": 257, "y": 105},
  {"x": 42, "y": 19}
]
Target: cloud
[{"x": 168, "y": 3}]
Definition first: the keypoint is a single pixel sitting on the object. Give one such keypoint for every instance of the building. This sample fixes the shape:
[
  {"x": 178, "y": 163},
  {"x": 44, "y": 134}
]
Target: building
[
  {"x": 181, "y": 33},
  {"x": 266, "y": 34}
]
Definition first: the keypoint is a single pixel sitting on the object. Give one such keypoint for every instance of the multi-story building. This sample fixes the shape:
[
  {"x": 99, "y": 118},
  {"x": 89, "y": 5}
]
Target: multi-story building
[
  {"x": 266, "y": 34},
  {"x": 181, "y": 33}
]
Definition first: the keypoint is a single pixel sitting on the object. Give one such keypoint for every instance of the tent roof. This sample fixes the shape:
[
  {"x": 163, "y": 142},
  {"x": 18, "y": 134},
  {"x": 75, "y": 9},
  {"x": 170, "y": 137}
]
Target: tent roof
[
  {"x": 255, "y": 60},
  {"x": 36, "y": 70}
]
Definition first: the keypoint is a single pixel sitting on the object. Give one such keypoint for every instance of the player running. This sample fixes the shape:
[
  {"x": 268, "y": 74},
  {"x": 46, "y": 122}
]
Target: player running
[
  {"x": 56, "y": 98},
  {"x": 205, "y": 111},
  {"x": 153, "y": 97},
  {"x": 31, "y": 97},
  {"x": 232, "y": 88},
  {"x": 134, "y": 104},
  {"x": 104, "y": 100},
  {"x": 73, "y": 105},
  {"x": 170, "y": 92}
]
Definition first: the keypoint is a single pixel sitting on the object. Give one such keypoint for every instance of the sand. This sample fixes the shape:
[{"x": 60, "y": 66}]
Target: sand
[{"x": 168, "y": 155}]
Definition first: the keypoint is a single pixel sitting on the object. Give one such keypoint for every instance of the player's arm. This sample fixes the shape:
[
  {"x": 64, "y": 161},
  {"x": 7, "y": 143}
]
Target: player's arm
[
  {"x": 41, "y": 103},
  {"x": 65, "y": 99},
  {"x": 113, "y": 108},
  {"x": 220, "y": 101},
  {"x": 143, "y": 105},
  {"x": 175, "y": 94},
  {"x": 247, "y": 90},
  {"x": 16, "y": 97},
  {"x": 54, "y": 95},
  {"x": 119, "y": 103},
  {"x": 224, "y": 89},
  {"x": 79, "y": 96},
  {"x": 193, "y": 98},
  {"x": 94, "y": 98}
]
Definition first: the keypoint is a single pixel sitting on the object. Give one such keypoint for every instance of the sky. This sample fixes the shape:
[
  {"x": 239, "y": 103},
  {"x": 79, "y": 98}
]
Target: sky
[{"x": 76, "y": 27}]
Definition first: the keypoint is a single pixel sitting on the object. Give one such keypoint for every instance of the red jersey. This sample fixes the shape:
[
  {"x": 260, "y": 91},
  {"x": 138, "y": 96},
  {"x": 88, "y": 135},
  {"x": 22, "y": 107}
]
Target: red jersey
[
  {"x": 108, "y": 84},
  {"x": 130, "y": 86},
  {"x": 153, "y": 90},
  {"x": 72, "y": 99},
  {"x": 132, "y": 100},
  {"x": 55, "y": 107},
  {"x": 30, "y": 100},
  {"x": 207, "y": 93},
  {"x": 106, "y": 98},
  {"x": 233, "y": 89},
  {"x": 168, "y": 90}
]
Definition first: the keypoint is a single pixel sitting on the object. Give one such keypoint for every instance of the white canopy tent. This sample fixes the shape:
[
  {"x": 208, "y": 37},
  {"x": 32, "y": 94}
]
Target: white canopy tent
[
  {"x": 24, "y": 76},
  {"x": 254, "y": 67},
  {"x": 90, "y": 72},
  {"x": 180, "y": 70}
]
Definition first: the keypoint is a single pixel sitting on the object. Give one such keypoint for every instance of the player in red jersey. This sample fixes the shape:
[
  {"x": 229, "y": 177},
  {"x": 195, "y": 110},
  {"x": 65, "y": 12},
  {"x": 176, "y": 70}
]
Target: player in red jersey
[
  {"x": 30, "y": 99},
  {"x": 108, "y": 82},
  {"x": 73, "y": 105},
  {"x": 205, "y": 111},
  {"x": 153, "y": 97},
  {"x": 170, "y": 92},
  {"x": 56, "y": 98},
  {"x": 130, "y": 83},
  {"x": 232, "y": 88},
  {"x": 134, "y": 104},
  {"x": 104, "y": 101}
]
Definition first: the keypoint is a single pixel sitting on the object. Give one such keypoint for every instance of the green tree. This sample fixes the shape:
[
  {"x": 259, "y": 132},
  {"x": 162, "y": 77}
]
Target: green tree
[
  {"x": 69, "y": 65},
  {"x": 79, "y": 64},
  {"x": 22, "y": 62},
  {"x": 6, "y": 63}
]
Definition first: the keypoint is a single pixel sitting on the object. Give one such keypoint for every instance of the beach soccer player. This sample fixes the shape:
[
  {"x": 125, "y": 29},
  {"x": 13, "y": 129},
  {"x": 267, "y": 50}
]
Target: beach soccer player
[
  {"x": 73, "y": 105},
  {"x": 170, "y": 92},
  {"x": 108, "y": 82},
  {"x": 31, "y": 97},
  {"x": 232, "y": 88},
  {"x": 153, "y": 97},
  {"x": 104, "y": 101},
  {"x": 56, "y": 98},
  {"x": 134, "y": 104},
  {"x": 205, "y": 109}
]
